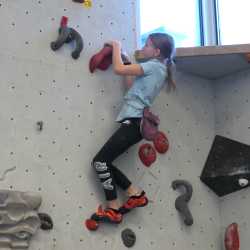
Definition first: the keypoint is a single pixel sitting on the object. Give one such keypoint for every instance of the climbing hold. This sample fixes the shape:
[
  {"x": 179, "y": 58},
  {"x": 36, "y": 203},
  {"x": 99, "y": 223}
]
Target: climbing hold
[
  {"x": 105, "y": 63},
  {"x": 147, "y": 154},
  {"x": 149, "y": 125},
  {"x": 232, "y": 239},
  {"x": 182, "y": 200},
  {"x": 103, "y": 59},
  {"x": 46, "y": 221},
  {"x": 64, "y": 21},
  {"x": 125, "y": 59},
  {"x": 128, "y": 237},
  {"x": 5, "y": 172},
  {"x": 139, "y": 56},
  {"x": 247, "y": 57},
  {"x": 87, "y": 3},
  {"x": 39, "y": 125},
  {"x": 91, "y": 225},
  {"x": 161, "y": 142},
  {"x": 67, "y": 35}
]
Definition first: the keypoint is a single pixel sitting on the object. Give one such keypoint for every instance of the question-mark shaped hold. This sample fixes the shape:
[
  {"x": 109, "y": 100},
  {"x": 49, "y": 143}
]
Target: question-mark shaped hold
[{"x": 182, "y": 200}]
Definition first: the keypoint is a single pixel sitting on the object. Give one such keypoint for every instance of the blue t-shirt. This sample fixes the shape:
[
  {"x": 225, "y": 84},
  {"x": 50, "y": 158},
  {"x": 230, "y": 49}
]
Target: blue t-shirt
[{"x": 144, "y": 90}]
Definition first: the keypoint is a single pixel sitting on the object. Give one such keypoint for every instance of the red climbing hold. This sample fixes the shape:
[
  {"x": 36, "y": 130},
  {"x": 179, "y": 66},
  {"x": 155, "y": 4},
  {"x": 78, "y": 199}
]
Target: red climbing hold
[
  {"x": 91, "y": 224},
  {"x": 64, "y": 21},
  {"x": 147, "y": 154},
  {"x": 98, "y": 60},
  {"x": 161, "y": 142},
  {"x": 106, "y": 62},
  {"x": 232, "y": 241}
]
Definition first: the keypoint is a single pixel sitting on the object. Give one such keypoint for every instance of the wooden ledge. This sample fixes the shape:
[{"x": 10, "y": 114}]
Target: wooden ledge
[{"x": 213, "y": 62}]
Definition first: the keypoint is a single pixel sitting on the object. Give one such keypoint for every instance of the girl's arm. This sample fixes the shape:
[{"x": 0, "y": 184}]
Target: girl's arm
[
  {"x": 119, "y": 67},
  {"x": 128, "y": 80}
]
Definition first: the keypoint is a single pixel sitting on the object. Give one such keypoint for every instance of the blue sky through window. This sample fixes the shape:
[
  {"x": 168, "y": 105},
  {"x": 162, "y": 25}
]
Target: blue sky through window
[{"x": 179, "y": 18}]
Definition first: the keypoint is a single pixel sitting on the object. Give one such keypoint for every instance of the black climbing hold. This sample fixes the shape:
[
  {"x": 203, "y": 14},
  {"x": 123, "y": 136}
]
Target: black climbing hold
[
  {"x": 128, "y": 237},
  {"x": 182, "y": 200},
  {"x": 46, "y": 221},
  {"x": 39, "y": 125},
  {"x": 125, "y": 59},
  {"x": 227, "y": 162}
]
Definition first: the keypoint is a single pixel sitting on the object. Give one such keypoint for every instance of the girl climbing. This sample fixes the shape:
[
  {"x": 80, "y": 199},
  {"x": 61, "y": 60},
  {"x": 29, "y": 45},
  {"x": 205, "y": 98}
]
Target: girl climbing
[{"x": 144, "y": 81}]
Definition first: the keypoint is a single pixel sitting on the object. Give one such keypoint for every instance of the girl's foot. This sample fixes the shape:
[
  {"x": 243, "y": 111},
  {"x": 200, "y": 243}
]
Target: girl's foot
[
  {"x": 134, "y": 201},
  {"x": 109, "y": 215}
]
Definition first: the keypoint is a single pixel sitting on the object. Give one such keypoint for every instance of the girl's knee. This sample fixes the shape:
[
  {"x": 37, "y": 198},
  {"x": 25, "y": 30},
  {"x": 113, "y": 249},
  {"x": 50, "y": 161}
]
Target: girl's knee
[{"x": 99, "y": 166}]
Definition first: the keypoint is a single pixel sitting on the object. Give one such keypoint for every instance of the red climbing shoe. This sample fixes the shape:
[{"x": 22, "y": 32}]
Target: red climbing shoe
[
  {"x": 133, "y": 202},
  {"x": 98, "y": 58},
  {"x": 109, "y": 215}
]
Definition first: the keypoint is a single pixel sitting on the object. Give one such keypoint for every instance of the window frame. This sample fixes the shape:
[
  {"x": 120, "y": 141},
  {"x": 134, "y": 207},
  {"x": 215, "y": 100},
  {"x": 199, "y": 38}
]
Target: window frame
[{"x": 209, "y": 19}]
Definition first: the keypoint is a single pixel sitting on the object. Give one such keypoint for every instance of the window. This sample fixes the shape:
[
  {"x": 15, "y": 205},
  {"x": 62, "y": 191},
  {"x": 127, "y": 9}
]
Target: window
[
  {"x": 179, "y": 18},
  {"x": 233, "y": 21},
  {"x": 196, "y": 22}
]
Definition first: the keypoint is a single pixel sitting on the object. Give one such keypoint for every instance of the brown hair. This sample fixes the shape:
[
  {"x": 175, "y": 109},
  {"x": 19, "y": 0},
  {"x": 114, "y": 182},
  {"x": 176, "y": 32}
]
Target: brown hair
[{"x": 165, "y": 43}]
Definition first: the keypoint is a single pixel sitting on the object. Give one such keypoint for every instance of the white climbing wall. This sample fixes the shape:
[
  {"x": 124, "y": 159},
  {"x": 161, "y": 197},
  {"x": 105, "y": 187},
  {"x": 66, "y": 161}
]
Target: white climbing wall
[
  {"x": 233, "y": 121},
  {"x": 78, "y": 110}
]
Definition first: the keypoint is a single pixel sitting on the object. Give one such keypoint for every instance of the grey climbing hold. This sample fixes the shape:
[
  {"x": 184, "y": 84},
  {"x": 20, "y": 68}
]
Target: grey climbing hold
[
  {"x": 2, "y": 178},
  {"x": 18, "y": 218},
  {"x": 39, "y": 125},
  {"x": 3, "y": 198},
  {"x": 182, "y": 200},
  {"x": 128, "y": 237},
  {"x": 67, "y": 35}
]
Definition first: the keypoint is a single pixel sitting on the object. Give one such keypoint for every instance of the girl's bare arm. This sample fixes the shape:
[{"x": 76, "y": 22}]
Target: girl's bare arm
[
  {"x": 119, "y": 67},
  {"x": 128, "y": 81}
]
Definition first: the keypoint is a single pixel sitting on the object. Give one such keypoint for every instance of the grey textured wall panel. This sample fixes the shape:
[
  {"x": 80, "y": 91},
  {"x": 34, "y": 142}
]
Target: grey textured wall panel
[{"x": 78, "y": 110}]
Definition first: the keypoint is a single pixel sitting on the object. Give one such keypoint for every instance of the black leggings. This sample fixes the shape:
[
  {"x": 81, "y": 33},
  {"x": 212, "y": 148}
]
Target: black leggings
[{"x": 127, "y": 135}]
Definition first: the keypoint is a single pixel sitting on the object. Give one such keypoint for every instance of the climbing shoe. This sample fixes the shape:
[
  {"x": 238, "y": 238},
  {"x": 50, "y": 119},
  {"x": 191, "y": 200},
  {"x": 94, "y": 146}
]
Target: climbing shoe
[
  {"x": 109, "y": 215},
  {"x": 133, "y": 202}
]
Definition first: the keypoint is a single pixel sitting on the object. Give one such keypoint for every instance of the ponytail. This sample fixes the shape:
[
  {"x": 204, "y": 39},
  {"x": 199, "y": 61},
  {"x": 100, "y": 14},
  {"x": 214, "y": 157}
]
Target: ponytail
[{"x": 170, "y": 75}]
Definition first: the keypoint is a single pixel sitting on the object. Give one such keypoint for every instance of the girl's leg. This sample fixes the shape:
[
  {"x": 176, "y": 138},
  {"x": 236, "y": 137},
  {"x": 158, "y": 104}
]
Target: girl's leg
[
  {"x": 126, "y": 136},
  {"x": 124, "y": 183}
]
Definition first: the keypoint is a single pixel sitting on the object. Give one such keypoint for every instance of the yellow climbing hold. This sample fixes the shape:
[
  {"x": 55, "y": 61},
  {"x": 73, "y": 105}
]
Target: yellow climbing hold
[{"x": 87, "y": 3}]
